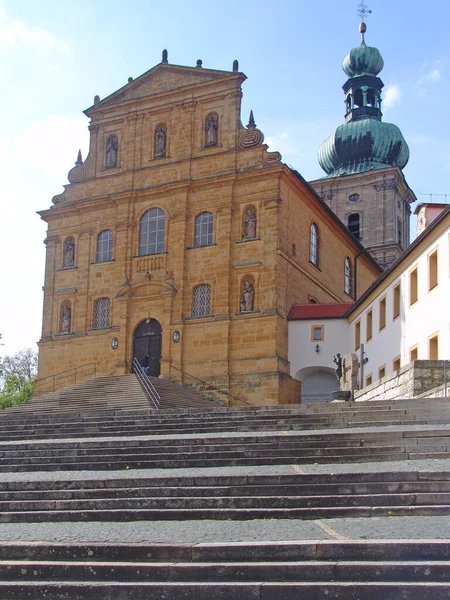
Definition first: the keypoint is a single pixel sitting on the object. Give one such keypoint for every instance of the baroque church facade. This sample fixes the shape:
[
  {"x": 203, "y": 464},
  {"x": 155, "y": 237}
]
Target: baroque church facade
[{"x": 182, "y": 236}]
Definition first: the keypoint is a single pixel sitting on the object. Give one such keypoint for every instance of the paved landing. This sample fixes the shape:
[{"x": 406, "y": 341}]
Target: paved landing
[{"x": 376, "y": 528}]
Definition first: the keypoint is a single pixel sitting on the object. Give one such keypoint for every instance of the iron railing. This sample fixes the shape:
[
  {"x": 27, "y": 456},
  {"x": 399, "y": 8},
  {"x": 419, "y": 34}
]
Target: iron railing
[
  {"x": 146, "y": 383},
  {"x": 207, "y": 386},
  {"x": 49, "y": 384}
]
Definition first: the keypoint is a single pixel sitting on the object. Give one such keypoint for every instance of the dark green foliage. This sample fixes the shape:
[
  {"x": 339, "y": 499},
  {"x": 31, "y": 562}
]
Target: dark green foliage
[{"x": 17, "y": 377}]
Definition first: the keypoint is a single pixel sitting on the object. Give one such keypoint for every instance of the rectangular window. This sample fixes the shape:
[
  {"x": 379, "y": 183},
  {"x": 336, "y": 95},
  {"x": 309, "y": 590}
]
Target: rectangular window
[
  {"x": 433, "y": 270},
  {"x": 369, "y": 379},
  {"x": 317, "y": 333},
  {"x": 396, "y": 301},
  {"x": 357, "y": 335},
  {"x": 433, "y": 347},
  {"x": 369, "y": 325},
  {"x": 413, "y": 353},
  {"x": 382, "y": 372},
  {"x": 396, "y": 363},
  {"x": 413, "y": 287},
  {"x": 382, "y": 313}
]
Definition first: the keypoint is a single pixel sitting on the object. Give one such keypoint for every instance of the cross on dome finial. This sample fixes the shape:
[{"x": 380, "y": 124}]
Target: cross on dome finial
[{"x": 363, "y": 10}]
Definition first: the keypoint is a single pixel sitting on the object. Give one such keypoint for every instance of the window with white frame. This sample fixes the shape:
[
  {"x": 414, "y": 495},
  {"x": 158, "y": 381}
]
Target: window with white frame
[
  {"x": 314, "y": 245},
  {"x": 203, "y": 229},
  {"x": 151, "y": 232},
  {"x": 104, "y": 246},
  {"x": 201, "y": 300},
  {"x": 101, "y": 313},
  {"x": 348, "y": 276}
]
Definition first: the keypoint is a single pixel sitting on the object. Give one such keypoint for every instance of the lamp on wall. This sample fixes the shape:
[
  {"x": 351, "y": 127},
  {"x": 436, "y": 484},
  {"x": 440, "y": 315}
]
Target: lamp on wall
[{"x": 317, "y": 348}]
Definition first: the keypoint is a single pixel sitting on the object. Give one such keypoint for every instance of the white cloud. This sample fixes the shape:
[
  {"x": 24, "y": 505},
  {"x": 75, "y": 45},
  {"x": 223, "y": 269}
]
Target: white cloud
[
  {"x": 281, "y": 142},
  {"x": 392, "y": 96},
  {"x": 434, "y": 75},
  {"x": 430, "y": 75},
  {"x": 18, "y": 33}
]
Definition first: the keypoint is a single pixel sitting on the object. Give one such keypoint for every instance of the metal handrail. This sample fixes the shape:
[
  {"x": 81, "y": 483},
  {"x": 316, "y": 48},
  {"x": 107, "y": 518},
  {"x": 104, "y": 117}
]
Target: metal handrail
[
  {"x": 213, "y": 387},
  {"x": 146, "y": 383},
  {"x": 63, "y": 375}
]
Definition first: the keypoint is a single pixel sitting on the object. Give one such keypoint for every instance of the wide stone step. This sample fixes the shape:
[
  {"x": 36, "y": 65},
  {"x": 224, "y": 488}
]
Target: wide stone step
[
  {"x": 430, "y": 571},
  {"x": 222, "y": 514}
]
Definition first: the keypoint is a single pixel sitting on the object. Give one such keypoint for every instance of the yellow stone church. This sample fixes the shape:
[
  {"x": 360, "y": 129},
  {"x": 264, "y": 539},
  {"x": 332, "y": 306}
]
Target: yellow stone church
[{"x": 182, "y": 237}]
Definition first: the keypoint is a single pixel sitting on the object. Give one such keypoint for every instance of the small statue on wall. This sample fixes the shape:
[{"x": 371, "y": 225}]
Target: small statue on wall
[
  {"x": 249, "y": 225},
  {"x": 66, "y": 318},
  {"x": 211, "y": 127},
  {"x": 160, "y": 141},
  {"x": 69, "y": 254},
  {"x": 112, "y": 146},
  {"x": 338, "y": 362},
  {"x": 247, "y": 297}
]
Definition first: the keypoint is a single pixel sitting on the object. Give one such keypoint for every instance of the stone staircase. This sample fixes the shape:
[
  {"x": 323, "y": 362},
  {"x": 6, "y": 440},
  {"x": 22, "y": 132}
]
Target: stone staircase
[
  {"x": 185, "y": 479},
  {"x": 113, "y": 393}
]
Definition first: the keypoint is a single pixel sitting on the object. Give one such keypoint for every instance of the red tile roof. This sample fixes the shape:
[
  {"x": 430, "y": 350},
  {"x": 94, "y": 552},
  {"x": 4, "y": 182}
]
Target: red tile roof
[{"x": 335, "y": 310}]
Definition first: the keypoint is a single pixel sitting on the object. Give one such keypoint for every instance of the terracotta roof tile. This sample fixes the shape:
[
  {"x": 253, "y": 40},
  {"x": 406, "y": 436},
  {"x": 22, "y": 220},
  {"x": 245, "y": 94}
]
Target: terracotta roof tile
[{"x": 333, "y": 310}]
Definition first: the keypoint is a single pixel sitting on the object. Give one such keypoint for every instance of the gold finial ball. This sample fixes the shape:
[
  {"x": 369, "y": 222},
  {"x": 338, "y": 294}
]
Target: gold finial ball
[{"x": 362, "y": 28}]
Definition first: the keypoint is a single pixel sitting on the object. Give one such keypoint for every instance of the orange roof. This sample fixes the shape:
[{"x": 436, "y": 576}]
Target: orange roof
[{"x": 334, "y": 310}]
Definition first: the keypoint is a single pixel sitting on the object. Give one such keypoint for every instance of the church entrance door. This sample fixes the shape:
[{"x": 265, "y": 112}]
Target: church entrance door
[{"x": 148, "y": 338}]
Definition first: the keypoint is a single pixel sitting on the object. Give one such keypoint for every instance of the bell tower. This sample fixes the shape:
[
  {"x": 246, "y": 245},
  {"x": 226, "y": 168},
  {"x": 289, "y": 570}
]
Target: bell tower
[{"x": 363, "y": 161}]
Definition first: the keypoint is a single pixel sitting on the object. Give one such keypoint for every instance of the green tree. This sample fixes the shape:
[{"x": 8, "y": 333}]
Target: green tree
[{"x": 17, "y": 377}]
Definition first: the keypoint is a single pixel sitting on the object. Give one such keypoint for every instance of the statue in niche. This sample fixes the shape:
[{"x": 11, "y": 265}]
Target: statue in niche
[
  {"x": 160, "y": 141},
  {"x": 112, "y": 145},
  {"x": 249, "y": 225},
  {"x": 247, "y": 297},
  {"x": 69, "y": 254},
  {"x": 211, "y": 127},
  {"x": 66, "y": 318}
]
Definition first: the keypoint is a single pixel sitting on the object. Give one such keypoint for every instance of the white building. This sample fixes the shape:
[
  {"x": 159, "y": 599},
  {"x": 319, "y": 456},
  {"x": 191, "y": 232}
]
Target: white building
[{"x": 404, "y": 316}]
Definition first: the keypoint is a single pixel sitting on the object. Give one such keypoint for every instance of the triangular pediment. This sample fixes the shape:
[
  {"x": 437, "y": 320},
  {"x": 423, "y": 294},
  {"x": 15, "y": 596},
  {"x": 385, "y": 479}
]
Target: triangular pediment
[{"x": 160, "y": 79}]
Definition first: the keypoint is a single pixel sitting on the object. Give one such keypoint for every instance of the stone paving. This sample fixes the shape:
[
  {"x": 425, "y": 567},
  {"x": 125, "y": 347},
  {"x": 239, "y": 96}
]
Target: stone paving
[{"x": 375, "y": 528}]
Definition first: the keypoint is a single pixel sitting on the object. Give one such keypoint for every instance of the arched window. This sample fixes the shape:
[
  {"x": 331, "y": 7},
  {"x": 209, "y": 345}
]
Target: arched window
[
  {"x": 348, "y": 276},
  {"x": 370, "y": 98},
  {"x": 314, "y": 244},
  {"x": 151, "y": 232},
  {"x": 203, "y": 229},
  {"x": 104, "y": 246},
  {"x": 354, "y": 225},
  {"x": 101, "y": 313},
  {"x": 358, "y": 99},
  {"x": 201, "y": 300}
]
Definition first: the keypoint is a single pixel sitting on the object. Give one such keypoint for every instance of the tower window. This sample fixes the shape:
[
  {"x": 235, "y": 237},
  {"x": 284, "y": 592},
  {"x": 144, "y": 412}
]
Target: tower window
[
  {"x": 348, "y": 276},
  {"x": 358, "y": 102},
  {"x": 353, "y": 197},
  {"x": 399, "y": 231},
  {"x": 370, "y": 98},
  {"x": 354, "y": 225},
  {"x": 314, "y": 245}
]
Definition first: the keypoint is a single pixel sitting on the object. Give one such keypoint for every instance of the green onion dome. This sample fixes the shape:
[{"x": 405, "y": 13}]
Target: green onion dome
[
  {"x": 363, "y": 145},
  {"x": 363, "y": 60}
]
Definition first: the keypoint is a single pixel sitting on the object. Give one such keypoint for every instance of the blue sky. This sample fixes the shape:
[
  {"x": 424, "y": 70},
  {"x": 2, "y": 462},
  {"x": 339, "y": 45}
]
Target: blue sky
[{"x": 56, "y": 55}]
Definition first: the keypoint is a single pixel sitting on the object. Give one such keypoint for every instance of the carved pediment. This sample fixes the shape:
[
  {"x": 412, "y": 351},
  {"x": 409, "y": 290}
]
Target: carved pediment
[
  {"x": 147, "y": 289},
  {"x": 162, "y": 78}
]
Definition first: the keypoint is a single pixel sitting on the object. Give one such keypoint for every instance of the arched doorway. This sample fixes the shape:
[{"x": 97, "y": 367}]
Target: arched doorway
[{"x": 148, "y": 338}]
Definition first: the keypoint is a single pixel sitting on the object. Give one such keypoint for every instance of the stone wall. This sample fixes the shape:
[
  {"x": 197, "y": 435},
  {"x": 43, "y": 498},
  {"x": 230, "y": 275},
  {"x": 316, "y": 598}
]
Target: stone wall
[{"x": 418, "y": 379}]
